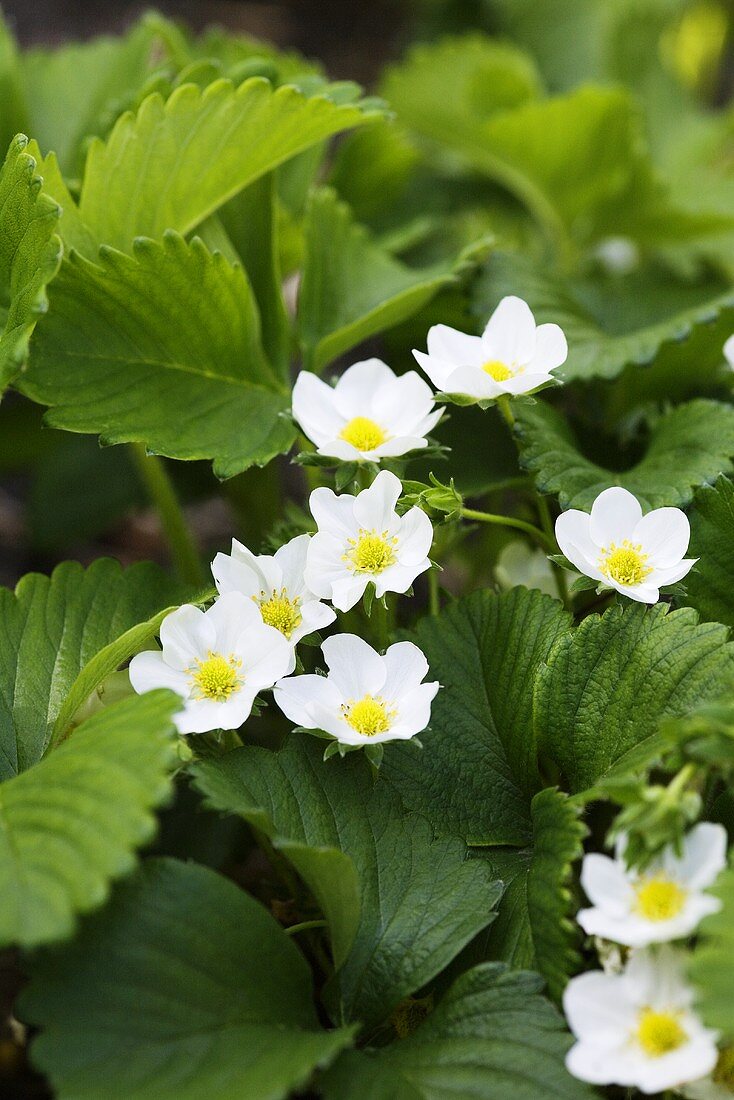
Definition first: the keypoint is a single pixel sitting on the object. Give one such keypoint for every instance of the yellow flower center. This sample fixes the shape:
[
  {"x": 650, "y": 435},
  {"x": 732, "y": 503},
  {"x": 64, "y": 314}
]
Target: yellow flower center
[
  {"x": 371, "y": 553},
  {"x": 368, "y": 716},
  {"x": 659, "y": 1033},
  {"x": 624, "y": 564},
  {"x": 280, "y": 611},
  {"x": 497, "y": 370},
  {"x": 216, "y": 677},
  {"x": 363, "y": 433},
  {"x": 723, "y": 1074},
  {"x": 659, "y": 899}
]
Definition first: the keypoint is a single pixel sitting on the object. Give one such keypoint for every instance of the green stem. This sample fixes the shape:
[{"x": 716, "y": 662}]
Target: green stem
[
  {"x": 155, "y": 477},
  {"x": 382, "y": 620},
  {"x": 304, "y": 926},
  {"x": 505, "y": 410},
  {"x": 510, "y": 521},
  {"x": 434, "y": 596},
  {"x": 559, "y": 572}
]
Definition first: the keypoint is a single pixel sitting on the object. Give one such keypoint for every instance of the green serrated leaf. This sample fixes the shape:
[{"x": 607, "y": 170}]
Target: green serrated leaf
[
  {"x": 177, "y": 161},
  {"x": 492, "y": 1036},
  {"x": 352, "y": 288},
  {"x": 711, "y": 967},
  {"x": 163, "y": 348},
  {"x": 30, "y": 254},
  {"x": 710, "y": 586},
  {"x": 659, "y": 326},
  {"x": 485, "y": 650},
  {"x": 50, "y": 628},
  {"x": 688, "y": 445},
  {"x": 337, "y": 811},
  {"x": 533, "y": 927},
  {"x": 183, "y": 986},
  {"x": 608, "y": 684},
  {"x": 72, "y": 823}
]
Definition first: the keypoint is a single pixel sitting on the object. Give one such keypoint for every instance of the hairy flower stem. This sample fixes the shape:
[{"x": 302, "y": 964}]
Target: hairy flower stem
[
  {"x": 510, "y": 521},
  {"x": 559, "y": 573},
  {"x": 304, "y": 926},
  {"x": 184, "y": 553}
]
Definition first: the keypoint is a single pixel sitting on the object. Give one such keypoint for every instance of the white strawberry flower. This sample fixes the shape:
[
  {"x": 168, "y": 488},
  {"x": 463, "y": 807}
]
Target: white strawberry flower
[
  {"x": 638, "y": 1028},
  {"x": 664, "y": 902},
  {"x": 277, "y": 586},
  {"x": 370, "y": 414},
  {"x": 216, "y": 660},
  {"x": 366, "y": 698},
  {"x": 622, "y": 549},
  {"x": 362, "y": 539},
  {"x": 512, "y": 356}
]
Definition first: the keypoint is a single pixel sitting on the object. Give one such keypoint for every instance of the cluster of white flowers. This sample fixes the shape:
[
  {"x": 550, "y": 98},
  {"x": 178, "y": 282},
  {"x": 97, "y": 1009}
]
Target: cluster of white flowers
[
  {"x": 637, "y": 1026},
  {"x": 220, "y": 659}
]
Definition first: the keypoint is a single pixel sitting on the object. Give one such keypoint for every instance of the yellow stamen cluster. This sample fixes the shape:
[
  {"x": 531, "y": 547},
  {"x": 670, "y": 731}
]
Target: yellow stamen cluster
[
  {"x": 368, "y": 716},
  {"x": 660, "y": 1033},
  {"x": 363, "y": 433},
  {"x": 624, "y": 564},
  {"x": 280, "y": 611},
  {"x": 497, "y": 370},
  {"x": 371, "y": 552},
  {"x": 216, "y": 678},
  {"x": 659, "y": 899}
]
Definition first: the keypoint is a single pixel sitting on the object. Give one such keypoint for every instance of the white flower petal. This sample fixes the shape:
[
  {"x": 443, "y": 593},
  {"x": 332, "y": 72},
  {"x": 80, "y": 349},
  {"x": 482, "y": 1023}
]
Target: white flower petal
[
  {"x": 438, "y": 370},
  {"x": 405, "y": 667},
  {"x": 298, "y": 697},
  {"x": 664, "y": 534},
  {"x": 596, "y": 1006},
  {"x": 574, "y": 539},
  {"x": 148, "y": 671},
  {"x": 551, "y": 349},
  {"x": 324, "y": 564},
  {"x": 339, "y": 448},
  {"x": 204, "y": 715},
  {"x": 265, "y": 653},
  {"x": 230, "y": 615},
  {"x": 415, "y": 537},
  {"x": 614, "y": 515},
  {"x": 231, "y": 575},
  {"x": 414, "y": 710},
  {"x": 356, "y": 389},
  {"x": 354, "y": 666},
  {"x": 600, "y": 1066},
  {"x": 333, "y": 513},
  {"x": 398, "y": 445},
  {"x": 291, "y": 559},
  {"x": 399, "y": 578},
  {"x": 314, "y": 409},
  {"x": 452, "y": 346},
  {"x": 404, "y": 404},
  {"x": 374, "y": 508},
  {"x": 509, "y": 335},
  {"x": 314, "y": 616},
  {"x": 348, "y": 590},
  {"x": 646, "y": 592},
  {"x": 605, "y": 884},
  {"x": 185, "y": 635},
  {"x": 525, "y": 382},
  {"x": 474, "y": 382},
  {"x": 703, "y": 858},
  {"x": 662, "y": 577},
  {"x": 729, "y": 351}
]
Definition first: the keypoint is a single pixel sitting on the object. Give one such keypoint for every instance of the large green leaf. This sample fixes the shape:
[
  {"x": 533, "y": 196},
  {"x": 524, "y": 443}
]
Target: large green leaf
[
  {"x": 710, "y": 586},
  {"x": 688, "y": 445},
  {"x": 72, "y": 823},
  {"x": 607, "y": 685},
  {"x": 50, "y": 627},
  {"x": 492, "y": 1036},
  {"x": 30, "y": 254},
  {"x": 161, "y": 347},
  {"x": 183, "y": 986},
  {"x": 712, "y": 964},
  {"x": 634, "y": 322},
  {"x": 486, "y": 651},
  {"x": 404, "y": 873},
  {"x": 352, "y": 288},
  {"x": 176, "y": 162},
  {"x": 77, "y": 90},
  {"x": 533, "y": 927}
]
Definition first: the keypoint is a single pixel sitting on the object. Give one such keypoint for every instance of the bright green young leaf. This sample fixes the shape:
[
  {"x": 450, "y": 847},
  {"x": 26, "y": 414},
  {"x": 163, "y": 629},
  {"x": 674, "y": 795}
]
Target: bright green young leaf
[
  {"x": 712, "y": 965},
  {"x": 161, "y": 347},
  {"x": 533, "y": 927},
  {"x": 352, "y": 288},
  {"x": 662, "y": 327},
  {"x": 30, "y": 254},
  {"x": 77, "y": 90},
  {"x": 710, "y": 586},
  {"x": 491, "y": 1037},
  {"x": 372, "y": 169},
  {"x": 71, "y": 228},
  {"x": 607, "y": 685},
  {"x": 182, "y": 986},
  {"x": 486, "y": 651},
  {"x": 72, "y": 823},
  {"x": 688, "y": 445},
  {"x": 50, "y": 628},
  {"x": 403, "y": 871},
  {"x": 176, "y": 162}
]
